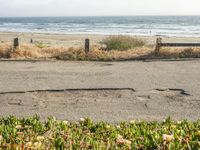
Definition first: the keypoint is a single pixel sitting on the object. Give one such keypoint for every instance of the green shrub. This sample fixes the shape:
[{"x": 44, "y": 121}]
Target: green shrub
[
  {"x": 40, "y": 45},
  {"x": 122, "y": 42}
]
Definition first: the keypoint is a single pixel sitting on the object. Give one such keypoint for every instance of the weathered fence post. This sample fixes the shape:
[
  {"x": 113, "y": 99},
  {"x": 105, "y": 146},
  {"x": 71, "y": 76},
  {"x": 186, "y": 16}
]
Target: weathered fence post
[
  {"x": 87, "y": 45},
  {"x": 16, "y": 43},
  {"x": 158, "y": 46},
  {"x": 31, "y": 41}
]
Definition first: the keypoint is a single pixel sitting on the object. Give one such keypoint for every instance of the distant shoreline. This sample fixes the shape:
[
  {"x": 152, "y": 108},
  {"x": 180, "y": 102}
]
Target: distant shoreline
[
  {"x": 101, "y": 16},
  {"x": 97, "y": 34}
]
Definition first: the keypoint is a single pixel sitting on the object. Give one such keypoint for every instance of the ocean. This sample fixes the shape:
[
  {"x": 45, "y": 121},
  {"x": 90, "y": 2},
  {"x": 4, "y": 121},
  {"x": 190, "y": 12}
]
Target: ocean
[{"x": 180, "y": 26}]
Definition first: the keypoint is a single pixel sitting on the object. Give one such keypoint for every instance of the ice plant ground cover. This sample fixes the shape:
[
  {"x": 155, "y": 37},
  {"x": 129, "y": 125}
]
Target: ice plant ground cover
[{"x": 32, "y": 133}]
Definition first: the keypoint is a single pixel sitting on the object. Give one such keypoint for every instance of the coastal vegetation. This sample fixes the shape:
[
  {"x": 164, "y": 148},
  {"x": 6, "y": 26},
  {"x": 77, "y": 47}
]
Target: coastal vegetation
[
  {"x": 122, "y": 42},
  {"x": 40, "y": 45},
  {"x": 32, "y": 133},
  {"x": 112, "y": 48},
  {"x": 96, "y": 53}
]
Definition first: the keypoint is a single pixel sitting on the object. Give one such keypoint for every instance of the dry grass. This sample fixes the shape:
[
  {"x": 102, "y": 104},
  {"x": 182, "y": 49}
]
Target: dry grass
[
  {"x": 98, "y": 54},
  {"x": 61, "y": 53},
  {"x": 29, "y": 51},
  {"x": 5, "y": 50},
  {"x": 180, "y": 52},
  {"x": 95, "y": 54}
]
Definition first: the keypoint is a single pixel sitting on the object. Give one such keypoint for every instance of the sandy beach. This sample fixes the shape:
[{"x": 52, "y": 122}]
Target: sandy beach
[{"x": 77, "y": 40}]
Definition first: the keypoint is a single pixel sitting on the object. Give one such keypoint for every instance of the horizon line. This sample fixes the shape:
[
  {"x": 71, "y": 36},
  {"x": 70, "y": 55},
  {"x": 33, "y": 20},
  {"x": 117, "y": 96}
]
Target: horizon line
[{"x": 103, "y": 16}]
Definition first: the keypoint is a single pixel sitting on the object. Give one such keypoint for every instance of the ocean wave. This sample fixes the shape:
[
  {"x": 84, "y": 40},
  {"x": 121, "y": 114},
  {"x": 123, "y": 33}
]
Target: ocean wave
[{"x": 153, "y": 25}]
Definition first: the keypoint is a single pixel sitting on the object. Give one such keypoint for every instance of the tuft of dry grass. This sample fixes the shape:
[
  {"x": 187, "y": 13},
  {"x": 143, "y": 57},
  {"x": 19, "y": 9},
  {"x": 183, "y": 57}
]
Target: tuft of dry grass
[
  {"x": 25, "y": 51},
  {"x": 98, "y": 54},
  {"x": 29, "y": 51},
  {"x": 180, "y": 52},
  {"x": 5, "y": 50},
  {"x": 71, "y": 54}
]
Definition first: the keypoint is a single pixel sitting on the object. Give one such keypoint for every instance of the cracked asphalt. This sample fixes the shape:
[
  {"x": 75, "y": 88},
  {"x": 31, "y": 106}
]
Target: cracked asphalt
[{"x": 108, "y": 91}]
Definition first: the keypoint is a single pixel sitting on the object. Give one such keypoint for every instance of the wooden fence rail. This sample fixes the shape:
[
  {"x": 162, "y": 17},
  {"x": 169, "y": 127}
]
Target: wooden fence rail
[{"x": 159, "y": 44}]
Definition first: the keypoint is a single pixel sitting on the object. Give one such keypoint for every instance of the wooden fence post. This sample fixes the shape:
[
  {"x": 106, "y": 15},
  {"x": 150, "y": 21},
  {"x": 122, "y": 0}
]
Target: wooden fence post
[
  {"x": 87, "y": 45},
  {"x": 31, "y": 41},
  {"x": 158, "y": 46},
  {"x": 16, "y": 43}
]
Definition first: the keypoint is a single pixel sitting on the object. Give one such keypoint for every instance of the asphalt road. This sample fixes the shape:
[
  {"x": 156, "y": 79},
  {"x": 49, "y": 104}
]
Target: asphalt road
[{"x": 110, "y": 91}]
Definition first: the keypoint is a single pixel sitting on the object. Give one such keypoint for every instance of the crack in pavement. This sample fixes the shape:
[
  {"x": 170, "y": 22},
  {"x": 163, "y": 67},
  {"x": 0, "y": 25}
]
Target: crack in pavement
[
  {"x": 63, "y": 90},
  {"x": 182, "y": 91}
]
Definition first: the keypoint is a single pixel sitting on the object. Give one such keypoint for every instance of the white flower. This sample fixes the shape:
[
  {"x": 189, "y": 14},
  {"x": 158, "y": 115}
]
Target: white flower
[
  {"x": 54, "y": 119},
  {"x": 37, "y": 144},
  {"x": 28, "y": 144},
  {"x": 119, "y": 136},
  {"x": 127, "y": 142},
  {"x": 82, "y": 119},
  {"x": 173, "y": 126},
  {"x": 40, "y": 138},
  {"x": 65, "y": 122},
  {"x": 27, "y": 126},
  {"x": 121, "y": 140},
  {"x": 168, "y": 138},
  {"x": 1, "y": 138},
  {"x": 156, "y": 136},
  {"x": 20, "y": 133},
  {"x": 107, "y": 126},
  {"x": 198, "y": 132},
  {"x": 17, "y": 147},
  {"x": 18, "y": 126},
  {"x": 118, "y": 127},
  {"x": 132, "y": 122}
]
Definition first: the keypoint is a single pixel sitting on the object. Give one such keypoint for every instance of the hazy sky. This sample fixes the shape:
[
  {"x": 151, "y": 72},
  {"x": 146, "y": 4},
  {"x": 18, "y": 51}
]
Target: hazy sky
[{"x": 98, "y": 7}]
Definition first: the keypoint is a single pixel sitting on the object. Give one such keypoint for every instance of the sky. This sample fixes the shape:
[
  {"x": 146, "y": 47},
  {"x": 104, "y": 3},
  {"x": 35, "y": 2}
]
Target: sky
[{"x": 13, "y": 8}]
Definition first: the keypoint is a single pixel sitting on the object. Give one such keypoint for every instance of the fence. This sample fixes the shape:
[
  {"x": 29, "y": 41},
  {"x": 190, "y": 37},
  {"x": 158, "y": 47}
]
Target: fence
[
  {"x": 16, "y": 44},
  {"x": 160, "y": 44}
]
